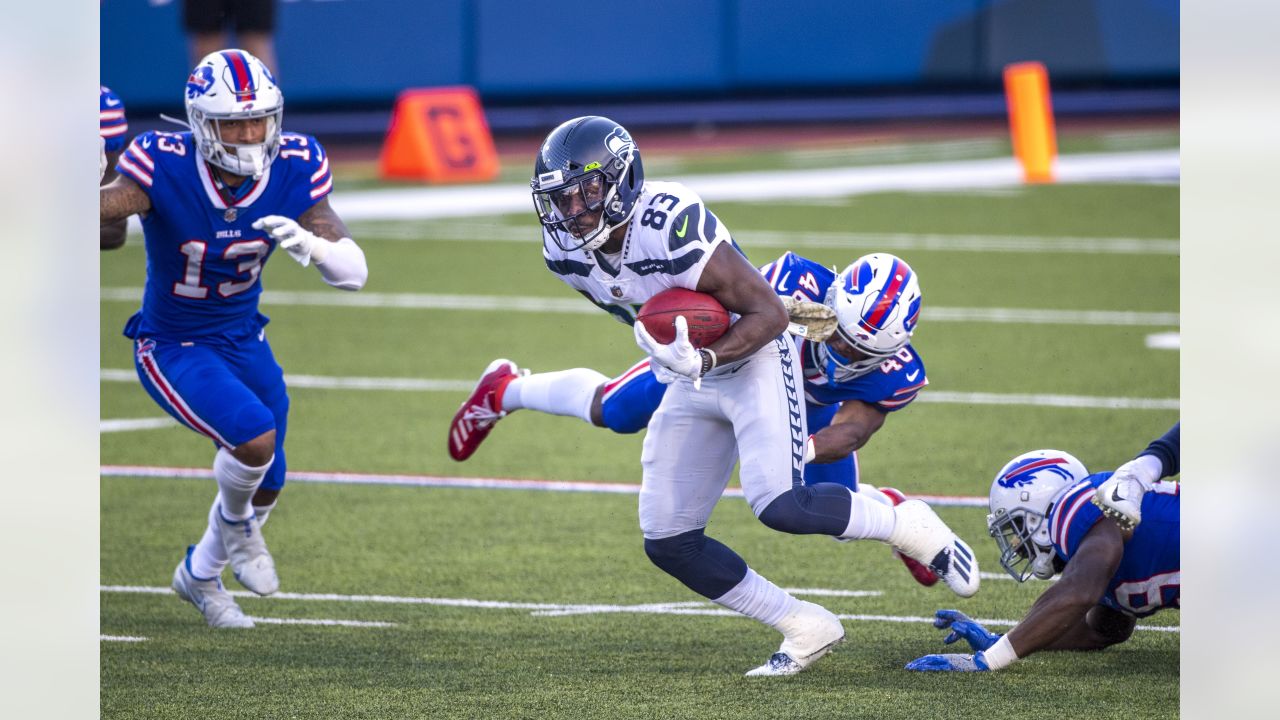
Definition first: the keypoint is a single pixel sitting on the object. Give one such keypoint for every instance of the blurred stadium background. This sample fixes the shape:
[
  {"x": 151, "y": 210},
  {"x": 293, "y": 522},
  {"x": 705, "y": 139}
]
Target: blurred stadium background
[{"x": 1051, "y": 318}]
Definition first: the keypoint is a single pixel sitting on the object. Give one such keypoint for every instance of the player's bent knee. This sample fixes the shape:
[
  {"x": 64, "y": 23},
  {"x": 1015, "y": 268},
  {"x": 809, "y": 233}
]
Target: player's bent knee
[
  {"x": 818, "y": 510},
  {"x": 258, "y": 451}
]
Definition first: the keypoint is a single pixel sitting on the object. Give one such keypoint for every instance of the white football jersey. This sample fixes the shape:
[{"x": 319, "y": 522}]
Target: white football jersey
[{"x": 669, "y": 240}]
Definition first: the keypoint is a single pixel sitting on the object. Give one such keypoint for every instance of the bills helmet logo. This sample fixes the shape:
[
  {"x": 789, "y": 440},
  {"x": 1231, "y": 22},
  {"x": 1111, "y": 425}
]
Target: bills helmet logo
[
  {"x": 199, "y": 82},
  {"x": 855, "y": 281},
  {"x": 913, "y": 316},
  {"x": 1023, "y": 473}
]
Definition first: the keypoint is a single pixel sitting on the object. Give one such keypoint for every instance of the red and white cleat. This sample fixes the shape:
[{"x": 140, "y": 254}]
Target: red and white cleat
[
  {"x": 477, "y": 416},
  {"x": 918, "y": 570}
]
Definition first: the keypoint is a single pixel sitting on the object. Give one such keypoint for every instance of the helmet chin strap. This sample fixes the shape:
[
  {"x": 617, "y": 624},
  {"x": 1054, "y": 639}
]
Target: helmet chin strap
[
  {"x": 254, "y": 157},
  {"x": 1042, "y": 565}
]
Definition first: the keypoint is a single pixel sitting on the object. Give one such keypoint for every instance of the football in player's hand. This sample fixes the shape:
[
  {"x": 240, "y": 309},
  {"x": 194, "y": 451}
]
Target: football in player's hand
[{"x": 707, "y": 318}]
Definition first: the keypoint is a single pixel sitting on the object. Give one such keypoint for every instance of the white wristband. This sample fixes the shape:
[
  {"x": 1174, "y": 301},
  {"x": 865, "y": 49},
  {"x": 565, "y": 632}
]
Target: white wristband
[
  {"x": 809, "y": 450},
  {"x": 341, "y": 263},
  {"x": 1001, "y": 654}
]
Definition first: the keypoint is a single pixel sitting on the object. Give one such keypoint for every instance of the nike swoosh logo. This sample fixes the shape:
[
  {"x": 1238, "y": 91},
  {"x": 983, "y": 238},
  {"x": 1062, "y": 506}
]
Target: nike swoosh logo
[
  {"x": 911, "y": 377},
  {"x": 683, "y": 228},
  {"x": 111, "y": 102},
  {"x": 1115, "y": 495}
]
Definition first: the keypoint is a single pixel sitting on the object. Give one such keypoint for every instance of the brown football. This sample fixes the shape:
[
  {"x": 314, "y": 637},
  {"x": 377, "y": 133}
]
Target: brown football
[{"x": 707, "y": 318}]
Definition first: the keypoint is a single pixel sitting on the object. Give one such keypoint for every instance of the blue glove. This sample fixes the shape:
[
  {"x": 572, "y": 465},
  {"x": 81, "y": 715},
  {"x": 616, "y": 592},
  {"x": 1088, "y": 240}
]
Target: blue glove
[
  {"x": 963, "y": 626},
  {"x": 949, "y": 663}
]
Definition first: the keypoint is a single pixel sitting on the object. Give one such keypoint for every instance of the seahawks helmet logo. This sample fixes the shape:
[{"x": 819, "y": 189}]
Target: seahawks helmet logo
[{"x": 619, "y": 143}]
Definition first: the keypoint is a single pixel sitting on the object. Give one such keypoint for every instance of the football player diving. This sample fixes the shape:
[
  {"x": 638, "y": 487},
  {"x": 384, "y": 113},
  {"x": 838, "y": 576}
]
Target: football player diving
[{"x": 1050, "y": 517}]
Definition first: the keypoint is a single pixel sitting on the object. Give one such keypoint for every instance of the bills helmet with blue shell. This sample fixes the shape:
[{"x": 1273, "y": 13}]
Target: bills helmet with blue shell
[
  {"x": 586, "y": 181},
  {"x": 1022, "y": 494},
  {"x": 232, "y": 85}
]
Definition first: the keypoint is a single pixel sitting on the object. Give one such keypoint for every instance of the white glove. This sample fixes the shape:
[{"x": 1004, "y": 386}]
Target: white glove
[
  {"x": 294, "y": 239},
  {"x": 680, "y": 357},
  {"x": 662, "y": 374},
  {"x": 102, "y": 158}
]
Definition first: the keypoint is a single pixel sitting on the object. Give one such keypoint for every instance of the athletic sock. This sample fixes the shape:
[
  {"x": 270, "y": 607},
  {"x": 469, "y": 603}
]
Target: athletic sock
[
  {"x": 874, "y": 493},
  {"x": 868, "y": 519},
  {"x": 759, "y": 599},
  {"x": 210, "y": 556},
  {"x": 262, "y": 511},
  {"x": 237, "y": 483},
  {"x": 566, "y": 392}
]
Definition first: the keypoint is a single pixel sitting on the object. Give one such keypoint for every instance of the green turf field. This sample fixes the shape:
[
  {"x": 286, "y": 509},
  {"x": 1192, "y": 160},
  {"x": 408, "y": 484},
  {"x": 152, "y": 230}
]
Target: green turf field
[{"x": 533, "y": 604}]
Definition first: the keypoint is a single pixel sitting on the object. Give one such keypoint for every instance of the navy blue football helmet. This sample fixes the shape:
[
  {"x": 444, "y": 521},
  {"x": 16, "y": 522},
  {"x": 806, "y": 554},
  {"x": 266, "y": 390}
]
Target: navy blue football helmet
[{"x": 586, "y": 181}]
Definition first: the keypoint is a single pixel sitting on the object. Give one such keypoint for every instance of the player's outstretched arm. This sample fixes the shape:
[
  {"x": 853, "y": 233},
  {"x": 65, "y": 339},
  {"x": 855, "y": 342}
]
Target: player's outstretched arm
[
  {"x": 853, "y": 425},
  {"x": 1059, "y": 617},
  {"x": 121, "y": 198},
  {"x": 741, "y": 289},
  {"x": 320, "y": 236},
  {"x": 1100, "y": 628},
  {"x": 1065, "y": 617}
]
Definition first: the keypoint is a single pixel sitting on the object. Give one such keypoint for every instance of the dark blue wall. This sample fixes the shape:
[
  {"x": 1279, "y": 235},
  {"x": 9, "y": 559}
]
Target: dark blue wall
[{"x": 335, "y": 51}]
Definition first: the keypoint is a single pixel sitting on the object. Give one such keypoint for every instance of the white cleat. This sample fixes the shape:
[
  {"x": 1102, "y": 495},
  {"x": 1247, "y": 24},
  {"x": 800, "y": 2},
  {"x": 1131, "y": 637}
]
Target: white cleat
[
  {"x": 808, "y": 634},
  {"x": 1120, "y": 498},
  {"x": 920, "y": 534},
  {"x": 247, "y": 550},
  {"x": 210, "y": 598}
]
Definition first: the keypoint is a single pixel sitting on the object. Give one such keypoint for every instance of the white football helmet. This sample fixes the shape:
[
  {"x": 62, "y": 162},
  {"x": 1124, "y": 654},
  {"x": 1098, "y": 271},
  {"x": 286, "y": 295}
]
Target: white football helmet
[
  {"x": 1021, "y": 496},
  {"x": 234, "y": 85},
  {"x": 877, "y": 304}
]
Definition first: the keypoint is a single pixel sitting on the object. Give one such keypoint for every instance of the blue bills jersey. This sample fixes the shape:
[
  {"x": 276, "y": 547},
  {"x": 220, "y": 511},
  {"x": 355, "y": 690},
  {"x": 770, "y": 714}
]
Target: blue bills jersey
[
  {"x": 891, "y": 386},
  {"x": 111, "y": 121},
  {"x": 204, "y": 258},
  {"x": 1149, "y": 576}
]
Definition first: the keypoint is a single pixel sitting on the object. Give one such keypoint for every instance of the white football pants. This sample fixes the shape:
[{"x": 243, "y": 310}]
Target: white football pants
[{"x": 751, "y": 411}]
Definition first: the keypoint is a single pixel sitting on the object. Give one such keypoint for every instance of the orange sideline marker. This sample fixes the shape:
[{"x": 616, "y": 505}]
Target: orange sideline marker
[
  {"x": 1026, "y": 89},
  {"x": 438, "y": 135}
]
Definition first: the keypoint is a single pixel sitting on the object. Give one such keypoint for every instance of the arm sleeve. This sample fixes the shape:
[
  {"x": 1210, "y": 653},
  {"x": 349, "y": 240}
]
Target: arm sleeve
[
  {"x": 1166, "y": 449},
  {"x": 343, "y": 266}
]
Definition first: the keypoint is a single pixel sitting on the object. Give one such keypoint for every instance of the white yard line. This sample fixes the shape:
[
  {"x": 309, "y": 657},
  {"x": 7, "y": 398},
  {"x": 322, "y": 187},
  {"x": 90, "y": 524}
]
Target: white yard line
[
  {"x": 131, "y": 424},
  {"x": 320, "y": 621},
  {"x": 772, "y": 186},
  {"x": 490, "y": 232},
  {"x": 560, "y": 610},
  {"x": 575, "y": 306},
  {"x": 472, "y": 483},
  {"x": 928, "y": 396},
  {"x": 121, "y": 638}
]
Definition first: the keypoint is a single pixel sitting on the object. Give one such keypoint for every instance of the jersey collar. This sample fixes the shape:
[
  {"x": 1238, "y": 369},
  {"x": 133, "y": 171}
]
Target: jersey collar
[{"x": 215, "y": 197}]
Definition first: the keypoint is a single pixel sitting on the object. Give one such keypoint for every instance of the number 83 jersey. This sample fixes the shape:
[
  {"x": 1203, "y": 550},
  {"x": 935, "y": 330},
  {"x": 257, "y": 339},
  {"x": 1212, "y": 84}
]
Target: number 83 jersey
[
  {"x": 669, "y": 240},
  {"x": 204, "y": 258}
]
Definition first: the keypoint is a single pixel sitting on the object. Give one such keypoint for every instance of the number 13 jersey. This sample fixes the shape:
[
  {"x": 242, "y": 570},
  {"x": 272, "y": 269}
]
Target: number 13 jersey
[{"x": 204, "y": 259}]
